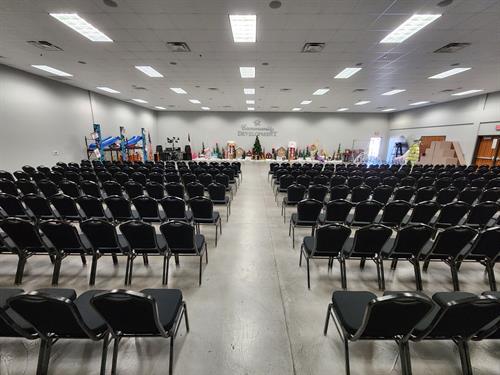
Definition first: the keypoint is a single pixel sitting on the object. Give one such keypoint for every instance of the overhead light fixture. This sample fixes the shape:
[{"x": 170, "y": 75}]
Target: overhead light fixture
[
  {"x": 466, "y": 92},
  {"x": 178, "y": 90},
  {"x": 448, "y": 73},
  {"x": 347, "y": 72},
  {"x": 140, "y": 101},
  {"x": 362, "y": 102},
  {"x": 244, "y": 28},
  {"x": 251, "y": 108},
  {"x": 411, "y": 26},
  {"x": 321, "y": 91},
  {"x": 249, "y": 91},
  {"x": 393, "y": 92},
  {"x": 247, "y": 71},
  {"x": 388, "y": 109},
  {"x": 52, "y": 70},
  {"x": 250, "y": 101},
  {"x": 420, "y": 103},
  {"x": 81, "y": 26},
  {"x": 296, "y": 109},
  {"x": 194, "y": 101},
  {"x": 206, "y": 108},
  {"x": 305, "y": 102},
  {"x": 108, "y": 89},
  {"x": 158, "y": 107},
  {"x": 342, "y": 109},
  {"x": 149, "y": 71}
]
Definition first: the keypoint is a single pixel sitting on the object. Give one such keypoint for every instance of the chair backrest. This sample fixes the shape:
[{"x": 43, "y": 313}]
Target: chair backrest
[
  {"x": 62, "y": 235},
  {"x": 330, "y": 238},
  {"x": 370, "y": 239},
  {"x": 360, "y": 193},
  {"x": 339, "y": 192},
  {"x": 373, "y": 181},
  {"x": 8, "y": 187},
  {"x": 216, "y": 191},
  {"x": 486, "y": 244},
  {"x": 147, "y": 208},
  {"x": 139, "y": 235},
  {"x": 202, "y": 207},
  {"x": 412, "y": 239},
  {"x": 382, "y": 318},
  {"x": 50, "y": 315},
  {"x": 12, "y": 206},
  {"x": 382, "y": 193},
  {"x": 90, "y": 188},
  {"x": 407, "y": 181},
  {"x": 128, "y": 313},
  {"x": 481, "y": 213},
  {"x": 205, "y": 179},
  {"x": 337, "y": 180},
  {"x": 425, "y": 193},
  {"x": 285, "y": 181},
  {"x": 112, "y": 188},
  {"x": 27, "y": 187},
  {"x": 317, "y": 192},
  {"x": 452, "y": 213},
  {"x": 91, "y": 206},
  {"x": 65, "y": 206},
  {"x": 469, "y": 194},
  {"x": 492, "y": 194},
  {"x": 119, "y": 207},
  {"x": 309, "y": 210},
  {"x": 101, "y": 235},
  {"x": 366, "y": 211},
  {"x": 295, "y": 193},
  {"x": 176, "y": 189},
  {"x": 139, "y": 177},
  {"x": 174, "y": 207},
  {"x": 48, "y": 188},
  {"x": 423, "y": 212},
  {"x": 354, "y": 181},
  {"x": 23, "y": 233},
  {"x": 195, "y": 189},
  {"x": 223, "y": 179},
  {"x": 451, "y": 241},
  {"x": 446, "y": 195},
  {"x": 188, "y": 178},
  {"x": 394, "y": 212},
  {"x": 337, "y": 210},
  {"x": 155, "y": 190},
  {"x": 133, "y": 189},
  {"x": 404, "y": 193},
  {"x": 180, "y": 236},
  {"x": 38, "y": 205}
]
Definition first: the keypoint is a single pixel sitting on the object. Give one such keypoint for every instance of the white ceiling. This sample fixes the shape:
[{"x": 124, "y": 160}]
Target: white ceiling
[{"x": 351, "y": 30}]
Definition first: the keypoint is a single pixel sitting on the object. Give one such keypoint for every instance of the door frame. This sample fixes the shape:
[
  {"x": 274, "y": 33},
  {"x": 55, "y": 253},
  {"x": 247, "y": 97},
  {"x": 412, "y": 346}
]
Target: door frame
[{"x": 496, "y": 157}]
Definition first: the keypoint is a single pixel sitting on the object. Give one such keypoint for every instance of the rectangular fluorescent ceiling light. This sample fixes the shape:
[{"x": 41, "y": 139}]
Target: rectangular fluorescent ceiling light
[
  {"x": 108, "y": 89},
  {"x": 251, "y": 108},
  {"x": 140, "y": 101},
  {"x": 52, "y": 70},
  {"x": 321, "y": 91},
  {"x": 296, "y": 109},
  {"x": 362, "y": 102},
  {"x": 466, "y": 92},
  {"x": 247, "y": 71},
  {"x": 149, "y": 71},
  {"x": 194, "y": 101},
  {"x": 305, "y": 102},
  {"x": 388, "y": 109},
  {"x": 244, "y": 28},
  {"x": 393, "y": 92},
  {"x": 249, "y": 91},
  {"x": 206, "y": 108},
  {"x": 178, "y": 90},
  {"x": 81, "y": 26},
  {"x": 420, "y": 103},
  {"x": 250, "y": 101},
  {"x": 448, "y": 73},
  {"x": 411, "y": 26},
  {"x": 342, "y": 109},
  {"x": 347, "y": 72},
  {"x": 158, "y": 107}
]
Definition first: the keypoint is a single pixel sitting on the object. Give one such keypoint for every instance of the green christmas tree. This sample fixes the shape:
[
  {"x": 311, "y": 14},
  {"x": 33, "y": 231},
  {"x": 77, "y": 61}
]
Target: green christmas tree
[
  {"x": 202, "y": 148},
  {"x": 257, "y": 148},
  {"x": 217, "y": 151}
]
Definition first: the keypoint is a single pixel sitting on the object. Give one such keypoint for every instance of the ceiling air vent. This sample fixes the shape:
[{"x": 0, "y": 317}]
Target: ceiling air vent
[
  {"x": 46, "y": 46},
  {"x": 447, "y": 90},
  {"x": 452, "y": 48},
  {"x": 359, "y": 90},
  {"x": 285, "y": 90},
  {"x": 213, "y": 88},
  {"x": 274, "y": 106},
  {"x": 178, "y": 47},
  {"x": 135, "y": 87},
  {"x": 313, "y": 47},
  {"x": 227, "y": 106}
]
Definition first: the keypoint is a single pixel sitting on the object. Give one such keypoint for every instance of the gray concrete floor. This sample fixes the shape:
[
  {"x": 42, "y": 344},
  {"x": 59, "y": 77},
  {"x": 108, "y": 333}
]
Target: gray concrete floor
[{"x": 253, "y": 313}]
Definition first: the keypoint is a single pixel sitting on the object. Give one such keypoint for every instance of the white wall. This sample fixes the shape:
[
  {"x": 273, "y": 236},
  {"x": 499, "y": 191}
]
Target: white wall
[
  {"x": 327, "y": 129},
  {"x": 460, "y": 120},
  {"x": 39, "y": 116}
]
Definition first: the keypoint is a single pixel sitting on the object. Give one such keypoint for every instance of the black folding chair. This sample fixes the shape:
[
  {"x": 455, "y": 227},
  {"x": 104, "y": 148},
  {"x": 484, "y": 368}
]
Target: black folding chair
[
  {"x": 8, "y": 187},
  {"x": 365, "y": 212},
  {"x": 150, "y": 313},
  {"x": 58, "y": 314},
  {"x": 339, "y": 192},
  {"x": 294, "y": 194},
  {"x": 364, "y": 316},
  {"x": 182, "y": 240},
  {"x": 90, "y": 188},
  {"x": 481, "y": 213},
  {"x": 451, "y": 214},
  {"x": 424, "y": 212},
  {"x": 39, "y": 206},
  {"x": 120, "y": 208},
  {"x": 147, "y": 208},
  {"x": 92, "y": 207},
  {"x": 66, "y": 207},
  {"x": 11, "y": 324},
  {"x": 327, "y": 243},
  {"x": 307, "y": 215},
  {"x": 11, "y": 206},
  {"x": 217, "y": 194},
  {"x": 112, "y": 188},
  {"x": 394, "y": 213},
  {"x": 175, "y": 209},
  {"x": 203, "y": 214},
  {"x": 155, "y": 190}
]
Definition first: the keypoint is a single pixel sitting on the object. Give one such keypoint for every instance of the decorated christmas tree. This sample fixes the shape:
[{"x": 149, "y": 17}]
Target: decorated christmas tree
[
  {"x": 202, "y": 148},
  {"x": 257, "y": 148},
  {"x": 217, "y": 151}
]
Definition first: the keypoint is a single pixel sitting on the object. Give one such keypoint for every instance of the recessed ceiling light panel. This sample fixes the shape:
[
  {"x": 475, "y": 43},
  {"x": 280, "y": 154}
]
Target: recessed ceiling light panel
[
  {"x": 448, "y": 73},
  {"x": 159, "y": 107},
  {"x": 194, "y": 101},
  {"x": 305, "y": 102},
  {"x": 362, "y": 102},
  {"x": 251, "y": 108},
  {"x": 52, "y": 70},
  {"x": 321, "y": 91},
  {"x": 247, "y": 71},
  {"x": 393, "y": 92},
  {"x": 347, "y": 72},
  {"x": 249, "y": 91},
  {"x": 388, "y": 109},
  {"x": 420, "y": 103},
  {"x": 250, "y": 101},
  {"x": 81, "y": 26},
  {"x": 244, "y": 28},
  {"x": 468, "y": 92},
  {"x": 411, "y": 26},
  {"x": 296, "y": 109},
  {"x": 140, "y": 101},
  {"x": 178, "y": 90},
  {"x": 342, "y": 109},
  {"x": 206, "y": 108},
  {"x": 149, "y": 71},
  {"x": 108, "y": 89}
]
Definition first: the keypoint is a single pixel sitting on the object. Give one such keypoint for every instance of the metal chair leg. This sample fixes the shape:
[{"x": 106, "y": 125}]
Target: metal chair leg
[
  {"x": 382, "y": 275},
  {"x": 84, "y": 259},
  {"x": 293, "y": 236},
  {"x": 308, "y": 275},
  {"x": 104, "y": 356},
  {"x": 115, "y": 355},
  {"x": 166, "y": 264},
  {"x": 93, "y": 269},
  {"x": 201, "y": 264},
  {"x": 20, "y": 270},
  {"x": 343, "y": 273},
  {"x": 327, "y": 320},
  {"x": 394, "y": 263},
  {"x": 362, "y": 263},
  {"x": 491, "y": 276},
  {"x": 454, "y": 277},
  {"x": 186, "y": 320},
  {"x": 171, "y": 357},
  {"x": 418, "y": 274},
  {"x": 300, "y": 257},
  {"x": 347, "y": 362},
  {"x": 463, "y": 350},
  {"x": 206, "y": 253},
  {"x": 57, "y": 270},
  {"x": 115, "y": 259}
]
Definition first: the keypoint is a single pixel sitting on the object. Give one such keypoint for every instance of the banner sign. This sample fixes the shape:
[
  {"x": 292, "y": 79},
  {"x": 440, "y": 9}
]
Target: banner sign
[{"x": 256, "y": 128}]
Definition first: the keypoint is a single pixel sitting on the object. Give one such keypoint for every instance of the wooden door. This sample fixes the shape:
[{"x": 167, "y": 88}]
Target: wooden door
[
  {"x": 425, "y": 142},
  {"x": 487, "y": 151}
]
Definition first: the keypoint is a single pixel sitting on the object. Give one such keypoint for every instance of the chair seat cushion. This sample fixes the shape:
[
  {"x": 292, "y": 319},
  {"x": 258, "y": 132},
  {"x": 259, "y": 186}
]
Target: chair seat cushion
[
  {"x": 5, "y": 329},
  {"x": 296, "y": 221},
  {"x": 59, "y": 292},
  {"x": 350, "y": 308},
  {"x": 289, "y": 202},
  {"x": 220, "y": 201},
  {"x": 89, "y": 315},
  {"x": 309, "y": 244},
  {"x": 169, "y": 301},
  {"x": 214, "y": 219}
]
